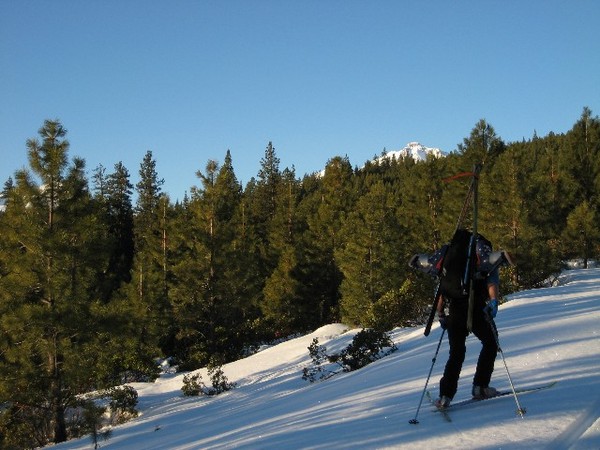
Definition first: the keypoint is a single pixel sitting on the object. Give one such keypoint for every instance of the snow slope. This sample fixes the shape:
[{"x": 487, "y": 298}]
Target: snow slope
[{"x": 549, "y": 334}]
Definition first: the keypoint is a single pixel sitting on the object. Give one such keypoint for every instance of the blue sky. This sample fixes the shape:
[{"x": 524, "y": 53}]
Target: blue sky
[{"x": 189, "y": 80}]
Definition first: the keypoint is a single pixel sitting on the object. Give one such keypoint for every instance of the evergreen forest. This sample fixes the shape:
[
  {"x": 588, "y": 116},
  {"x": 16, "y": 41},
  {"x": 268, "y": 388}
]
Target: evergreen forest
[{"x": 95, "y": 286}]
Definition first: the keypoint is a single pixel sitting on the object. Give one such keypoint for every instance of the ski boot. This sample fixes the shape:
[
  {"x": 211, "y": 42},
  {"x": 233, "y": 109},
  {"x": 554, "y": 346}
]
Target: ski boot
[
  {"x": 443, "y": 402},
  {"x": 481, "y": 393}
]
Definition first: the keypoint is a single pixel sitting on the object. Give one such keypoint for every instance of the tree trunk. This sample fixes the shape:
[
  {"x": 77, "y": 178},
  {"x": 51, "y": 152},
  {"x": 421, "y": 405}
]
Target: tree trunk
[{"x": 57, "y": 409}]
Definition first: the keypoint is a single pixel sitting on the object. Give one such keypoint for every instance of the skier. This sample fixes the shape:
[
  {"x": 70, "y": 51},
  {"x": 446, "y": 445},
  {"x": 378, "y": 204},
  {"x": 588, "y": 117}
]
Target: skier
[{"x": 449, "y": 266}]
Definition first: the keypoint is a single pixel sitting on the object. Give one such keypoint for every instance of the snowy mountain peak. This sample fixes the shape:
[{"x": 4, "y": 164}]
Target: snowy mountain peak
[{"x": 415, "y": 150}]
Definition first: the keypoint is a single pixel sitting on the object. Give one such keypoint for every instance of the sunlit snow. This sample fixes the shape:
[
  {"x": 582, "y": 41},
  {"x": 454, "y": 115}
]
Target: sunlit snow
[{"x": 549, "y": 334}]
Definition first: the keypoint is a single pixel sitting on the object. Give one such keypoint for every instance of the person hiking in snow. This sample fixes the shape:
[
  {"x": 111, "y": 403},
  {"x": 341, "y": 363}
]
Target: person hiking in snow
[
  {"x": 450, "y": 264},
  {"x": 486, "y": 289}
]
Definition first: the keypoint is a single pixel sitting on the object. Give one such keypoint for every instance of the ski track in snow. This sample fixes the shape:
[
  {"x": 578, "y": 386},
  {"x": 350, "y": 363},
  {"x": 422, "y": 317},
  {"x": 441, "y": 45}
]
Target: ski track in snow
[
  {"x": 549, "y": 334},
  {"x": 574, "y": 436}
]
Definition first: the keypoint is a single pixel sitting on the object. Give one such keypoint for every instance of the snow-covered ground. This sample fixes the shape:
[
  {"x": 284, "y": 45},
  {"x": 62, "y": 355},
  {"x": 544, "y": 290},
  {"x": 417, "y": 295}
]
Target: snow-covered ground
[{"x": 550, "y": 334}]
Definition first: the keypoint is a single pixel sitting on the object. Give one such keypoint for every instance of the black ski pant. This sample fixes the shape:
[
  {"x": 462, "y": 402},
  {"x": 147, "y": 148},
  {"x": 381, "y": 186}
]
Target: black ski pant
[{"x": 457, "y": 336}]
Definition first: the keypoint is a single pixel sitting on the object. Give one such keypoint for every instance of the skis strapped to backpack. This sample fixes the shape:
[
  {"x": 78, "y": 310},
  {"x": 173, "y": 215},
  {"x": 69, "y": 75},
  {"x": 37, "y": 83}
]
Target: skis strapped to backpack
[
  {"x": 436, "y": 299},
  {"x": 466, "y": 290},
  {"x": 471, "y": 261}
]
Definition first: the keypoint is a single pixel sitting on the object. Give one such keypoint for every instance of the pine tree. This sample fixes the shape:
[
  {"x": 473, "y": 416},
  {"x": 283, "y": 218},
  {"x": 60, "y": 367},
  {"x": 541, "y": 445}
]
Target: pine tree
[
  {"x": 283, "y": 305},
  {"x": 233, "y": 262},
  {"x": 269, "y": 178},
  {"x": 192, "y": 286},
  {"x": 207, "y": 294},
  {"x": 148, "y": 288},
  {"x": 582, "y": 151},
  {"x": 420, "y": 191},
  {"x": 50, "y": 254},
  {"x": 325, "y": 209},
  {"x": 335, "y": 200},
  {"x": 482, "y": 146},
  {"x": 259, "y": 207},
  {"x": 263, "y": 204},
  {"x": 549, "y": 191},
  {"x": 122, "y": 351},
  {"x": 372, "y": 259},
  {"x": 503, "y": 216},
  {"x": 581, "y": 236},
  {"x": 113, "y": 193}
]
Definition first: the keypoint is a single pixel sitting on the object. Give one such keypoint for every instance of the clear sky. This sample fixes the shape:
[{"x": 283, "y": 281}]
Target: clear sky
[{"x": 190, "y": 79}]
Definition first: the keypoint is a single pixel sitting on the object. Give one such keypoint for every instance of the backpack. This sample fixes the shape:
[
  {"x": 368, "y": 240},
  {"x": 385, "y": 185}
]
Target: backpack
[{"x": 455, "y": 276}]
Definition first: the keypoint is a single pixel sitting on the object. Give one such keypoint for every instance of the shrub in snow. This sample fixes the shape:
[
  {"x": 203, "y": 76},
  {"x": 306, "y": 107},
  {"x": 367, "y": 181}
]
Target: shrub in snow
[
  {"x": 403, "y": 307},
  {"x": 367, "y": 346},
  {"x": 194, "y": 386},
  {"x": 123, "y": 400},
  {"x": 94, "y": 413},
  {"x": 89, "y": 416},
  {"x": 219, "y": 381},
  {"x": 93, "y": 419},
  {"x": 316, "y": 371}
]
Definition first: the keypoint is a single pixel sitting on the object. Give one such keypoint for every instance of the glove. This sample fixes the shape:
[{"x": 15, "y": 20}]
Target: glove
[
  {"x": 443, "y": 321},
  {"x": 491, "y": 308}
]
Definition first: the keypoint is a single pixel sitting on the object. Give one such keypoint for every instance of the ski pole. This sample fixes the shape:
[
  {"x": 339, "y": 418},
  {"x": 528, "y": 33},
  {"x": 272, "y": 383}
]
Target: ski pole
[
  {"x": 520, "y": 410},
  {"x": 415, "y": 421}
]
